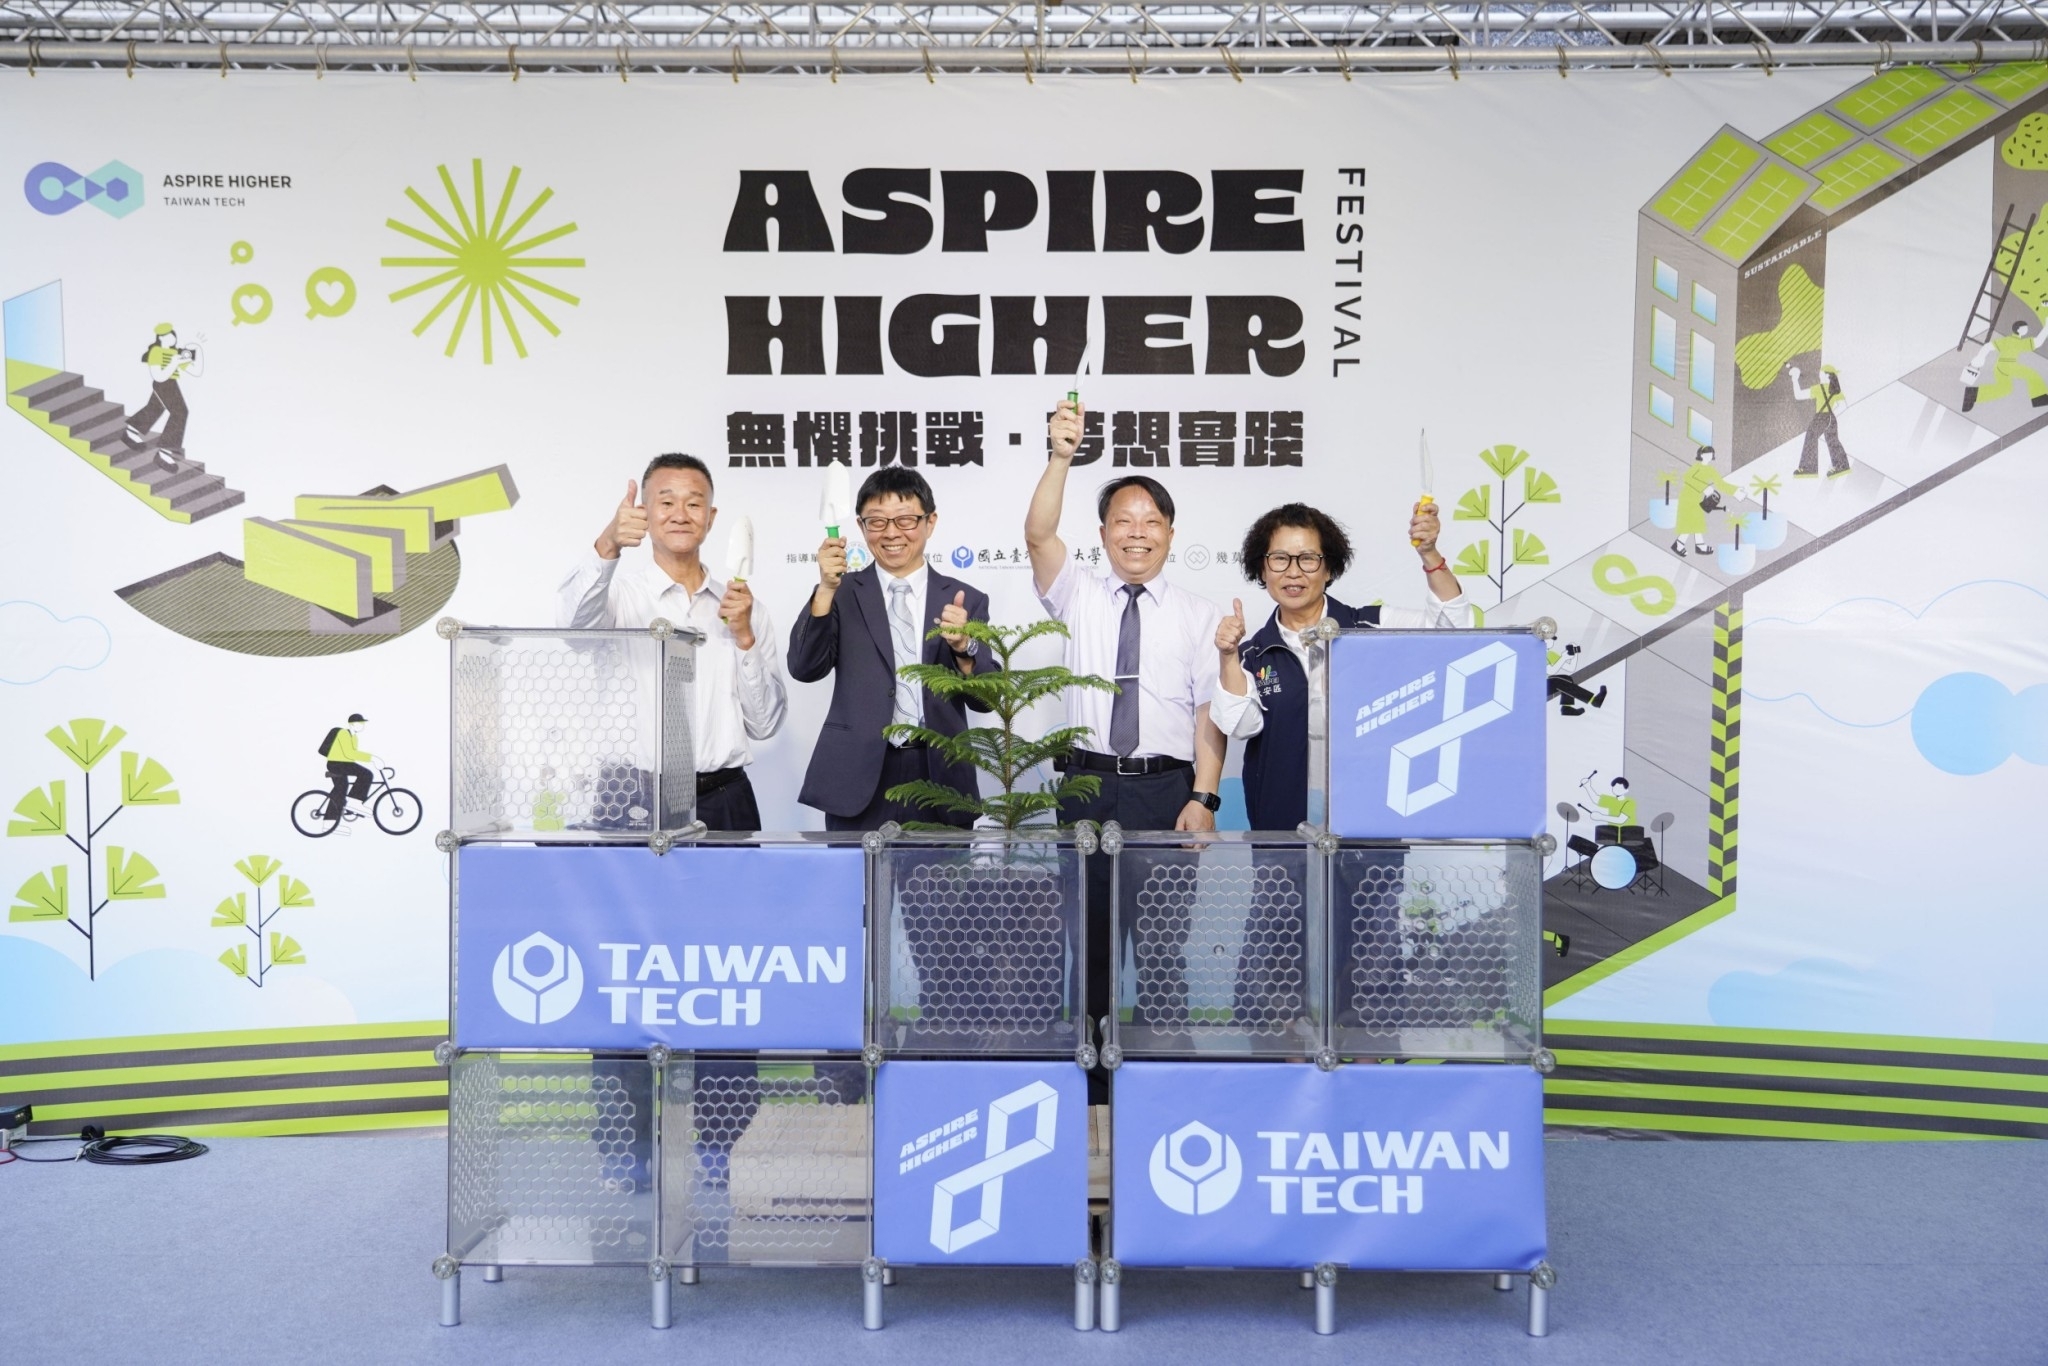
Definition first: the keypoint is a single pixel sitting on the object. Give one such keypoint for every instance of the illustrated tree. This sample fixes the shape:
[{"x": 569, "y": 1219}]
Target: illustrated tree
[
  {"x": 1477, "y": 504},
  {"x": 45, "y": 812},
  {"x": 233, "y": 913},
  {"x": 999, "y": 750}
]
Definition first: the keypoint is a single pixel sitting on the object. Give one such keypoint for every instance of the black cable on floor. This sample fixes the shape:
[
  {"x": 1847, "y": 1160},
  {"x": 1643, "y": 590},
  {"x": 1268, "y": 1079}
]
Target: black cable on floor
[
  {"x": 136, "y": 1150},
  {"x": 140, "y": 1150}
]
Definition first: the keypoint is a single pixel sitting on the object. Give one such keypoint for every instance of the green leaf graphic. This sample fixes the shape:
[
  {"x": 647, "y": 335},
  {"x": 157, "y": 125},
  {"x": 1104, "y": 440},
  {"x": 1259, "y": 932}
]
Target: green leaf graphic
[
  {"x": 1538, "y": 487},
  {"x": 293, "y": 893},
  {"x": 285, "y": 949},
  {"x": 1529, "y": 549},
  {"x": 41, "y": 812},
  {"x": 1475, "y": 559},
  {"x": 46, "y": 896},
  {"x": 257, "y": 868},
  {"x": 1475, "y": 506},
  {"x": 87, "y": 741},
  {"x": 145, "y": 782},
  {"x": 130, "y": 877},
  {"x": 236, "y": 960},
  {"x": 232, "y": 910},
  {"x": 1503, "y": 459}
]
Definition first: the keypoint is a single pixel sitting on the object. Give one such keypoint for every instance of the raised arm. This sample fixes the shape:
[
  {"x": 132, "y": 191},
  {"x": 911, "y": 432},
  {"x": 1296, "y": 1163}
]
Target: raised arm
[{"x": 1042, "y": 518}]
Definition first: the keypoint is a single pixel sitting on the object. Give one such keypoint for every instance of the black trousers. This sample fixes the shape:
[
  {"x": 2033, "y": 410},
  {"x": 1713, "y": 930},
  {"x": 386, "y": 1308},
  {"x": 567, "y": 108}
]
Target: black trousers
[
  {"x": 350, "y": 780},
  {"x": 730, "y": 807},
  {"x": 905, "y": 765},
  {"x": 1152, "y": 801},
  {"x": 164, "y": 398}
]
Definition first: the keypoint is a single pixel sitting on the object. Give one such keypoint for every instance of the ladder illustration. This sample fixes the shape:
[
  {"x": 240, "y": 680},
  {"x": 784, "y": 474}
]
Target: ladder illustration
[{"x": 1996, "y": 286}]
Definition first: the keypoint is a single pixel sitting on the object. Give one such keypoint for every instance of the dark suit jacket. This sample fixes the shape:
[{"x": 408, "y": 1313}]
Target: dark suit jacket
[{"x": 852, "y": 643}]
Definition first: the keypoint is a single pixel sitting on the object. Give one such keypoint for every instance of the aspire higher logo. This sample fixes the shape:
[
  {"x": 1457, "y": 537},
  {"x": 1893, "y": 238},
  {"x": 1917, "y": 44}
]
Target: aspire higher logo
[{"x": 53, "y": 188}]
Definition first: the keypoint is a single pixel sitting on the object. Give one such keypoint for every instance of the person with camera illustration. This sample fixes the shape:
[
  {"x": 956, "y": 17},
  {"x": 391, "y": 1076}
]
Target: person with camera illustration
[{"x": 168, "y": 362}]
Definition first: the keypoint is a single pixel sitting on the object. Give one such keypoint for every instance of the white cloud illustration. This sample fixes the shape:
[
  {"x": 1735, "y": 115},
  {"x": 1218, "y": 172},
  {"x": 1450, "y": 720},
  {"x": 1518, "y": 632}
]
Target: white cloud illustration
[{"x": 35, "y": 643}]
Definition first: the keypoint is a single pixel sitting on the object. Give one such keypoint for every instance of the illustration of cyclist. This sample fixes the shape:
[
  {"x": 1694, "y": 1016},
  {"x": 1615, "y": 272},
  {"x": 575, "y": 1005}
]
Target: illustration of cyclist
[{"x": 347, "y": 765}]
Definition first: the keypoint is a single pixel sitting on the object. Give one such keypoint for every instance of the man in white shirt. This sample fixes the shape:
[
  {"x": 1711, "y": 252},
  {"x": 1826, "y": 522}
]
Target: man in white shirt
[
  {"x": 1152, "y": 745},
  {"x": 738, "y": 695}
]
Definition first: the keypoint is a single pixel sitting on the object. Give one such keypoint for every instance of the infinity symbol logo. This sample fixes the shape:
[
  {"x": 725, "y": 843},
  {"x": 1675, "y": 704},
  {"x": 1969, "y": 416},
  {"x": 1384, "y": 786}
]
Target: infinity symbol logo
[
  {"x": 1616, "y": 575},
  {"x": 51, "y": 187},
  {"x": 1001, "y": 1159},
  {"x": 1447, "y": 737}
]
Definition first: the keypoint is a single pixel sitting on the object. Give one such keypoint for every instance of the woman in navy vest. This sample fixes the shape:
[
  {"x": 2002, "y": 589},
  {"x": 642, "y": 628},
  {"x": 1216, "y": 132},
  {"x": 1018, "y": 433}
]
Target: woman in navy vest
[{"x": 1262, "y": 691}]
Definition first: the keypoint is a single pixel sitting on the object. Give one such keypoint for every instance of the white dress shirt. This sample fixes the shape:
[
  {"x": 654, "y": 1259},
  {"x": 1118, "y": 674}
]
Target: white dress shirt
[
  {"x": 1176, "y": 657},
  {"x": 919, "y": 580},
  {"x": 738, "y": 694},
  {"x": 1243, "y": 717}
]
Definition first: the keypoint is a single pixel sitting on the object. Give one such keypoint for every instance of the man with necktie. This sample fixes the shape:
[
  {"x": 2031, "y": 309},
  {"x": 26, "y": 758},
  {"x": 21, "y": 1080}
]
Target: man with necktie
[
  {"x": 863, "y": 628},
  {"x": 1151, "y": 744}
]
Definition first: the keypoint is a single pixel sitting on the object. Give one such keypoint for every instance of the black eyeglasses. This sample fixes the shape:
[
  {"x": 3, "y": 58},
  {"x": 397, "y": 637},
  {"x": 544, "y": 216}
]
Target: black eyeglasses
[
  {"x": 1309, "y": 561},
  {"x": 875, "y": 526}
]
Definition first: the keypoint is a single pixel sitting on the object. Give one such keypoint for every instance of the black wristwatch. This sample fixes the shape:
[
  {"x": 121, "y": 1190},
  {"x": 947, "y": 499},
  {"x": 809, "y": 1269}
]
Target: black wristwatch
[{"x": 1209, "y": 800}]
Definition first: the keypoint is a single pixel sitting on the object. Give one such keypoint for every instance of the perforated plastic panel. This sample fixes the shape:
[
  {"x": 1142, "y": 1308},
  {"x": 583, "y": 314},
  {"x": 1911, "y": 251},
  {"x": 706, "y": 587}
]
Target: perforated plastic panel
[
  {"x": 1218, "y": 950},
  {"x": 550, "y": 1159},
  {"x": 981, "y": 947},
  {"x": 1437, "y": 951},
  {"x": 765, "y": 1164},
  {"x": 566, "y": 735}
]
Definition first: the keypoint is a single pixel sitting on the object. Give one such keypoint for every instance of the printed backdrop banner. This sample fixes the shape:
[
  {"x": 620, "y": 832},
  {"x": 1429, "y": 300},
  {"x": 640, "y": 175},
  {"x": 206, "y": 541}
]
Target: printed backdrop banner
[
  {"x": 1371, "y": 1167},
  {"x": 295, "y": 367}
]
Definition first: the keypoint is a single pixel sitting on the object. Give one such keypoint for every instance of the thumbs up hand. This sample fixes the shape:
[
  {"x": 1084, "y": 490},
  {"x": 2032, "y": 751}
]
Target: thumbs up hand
[
  {"x": 628, "y": 526},
  {"x": 954, "y": 614},
  {"x": 1230, "y": 631}
]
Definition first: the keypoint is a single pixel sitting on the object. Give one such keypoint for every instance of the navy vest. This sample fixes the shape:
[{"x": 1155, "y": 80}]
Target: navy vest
[{"x": 1276, "y": 759}]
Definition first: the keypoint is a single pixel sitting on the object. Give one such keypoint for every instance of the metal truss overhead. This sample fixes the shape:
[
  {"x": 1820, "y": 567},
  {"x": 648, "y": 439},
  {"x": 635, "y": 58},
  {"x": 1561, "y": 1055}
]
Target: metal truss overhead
[{"x": 1125, "y": 37}]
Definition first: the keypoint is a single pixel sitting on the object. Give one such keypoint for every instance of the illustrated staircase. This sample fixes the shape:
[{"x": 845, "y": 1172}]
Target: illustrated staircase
[{"x": 94, "y": 427}]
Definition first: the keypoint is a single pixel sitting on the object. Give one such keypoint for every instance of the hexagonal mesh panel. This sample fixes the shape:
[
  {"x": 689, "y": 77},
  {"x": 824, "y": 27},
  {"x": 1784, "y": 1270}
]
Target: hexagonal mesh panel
[
  {"x": 559, "y": 734},
  {"x": 1437, "y": 951},
  {"x": 549, "y": 1160},
  {"x": 765, "y": 1163},
  {"x": 1216, "y": 950},
  {"x": 983, "y": 948}
]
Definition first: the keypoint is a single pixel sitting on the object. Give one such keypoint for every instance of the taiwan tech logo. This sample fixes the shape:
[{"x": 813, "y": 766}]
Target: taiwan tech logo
[
  {"x": 537, "y": 981},
  {"x": 1196, "y": 1170},
  {"x": 53, "y": 188}
]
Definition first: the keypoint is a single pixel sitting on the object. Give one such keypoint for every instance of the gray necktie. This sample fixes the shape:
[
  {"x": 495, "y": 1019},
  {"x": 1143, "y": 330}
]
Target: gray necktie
[
  {"x": 1123, "y": 708},
  {"x": 903, "y": 634}
]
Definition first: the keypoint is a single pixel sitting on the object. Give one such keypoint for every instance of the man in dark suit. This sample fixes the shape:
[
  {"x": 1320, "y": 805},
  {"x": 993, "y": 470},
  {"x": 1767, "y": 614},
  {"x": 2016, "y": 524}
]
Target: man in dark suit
[{"x": 862, "y": 628}]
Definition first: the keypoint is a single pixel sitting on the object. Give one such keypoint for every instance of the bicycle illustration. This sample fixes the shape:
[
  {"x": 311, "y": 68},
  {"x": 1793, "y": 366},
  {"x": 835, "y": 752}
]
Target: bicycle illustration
[{"x": 396, "y": 810}]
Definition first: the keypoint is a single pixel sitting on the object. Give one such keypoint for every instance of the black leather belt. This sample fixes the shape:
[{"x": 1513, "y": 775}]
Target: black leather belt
[
  {"x": 707, "y": 783},
  {"x": 1090, "y": 761}
]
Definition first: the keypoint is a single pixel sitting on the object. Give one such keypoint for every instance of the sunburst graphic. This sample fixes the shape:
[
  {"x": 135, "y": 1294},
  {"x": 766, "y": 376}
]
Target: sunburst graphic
[{"x": 483, "y": 262}]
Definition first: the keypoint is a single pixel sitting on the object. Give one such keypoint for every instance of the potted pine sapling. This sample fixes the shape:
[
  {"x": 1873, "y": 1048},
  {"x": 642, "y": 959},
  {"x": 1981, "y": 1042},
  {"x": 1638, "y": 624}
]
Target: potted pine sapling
[
  {"x": 999, "y": 751},
  {"x": 984, "y": 940}
]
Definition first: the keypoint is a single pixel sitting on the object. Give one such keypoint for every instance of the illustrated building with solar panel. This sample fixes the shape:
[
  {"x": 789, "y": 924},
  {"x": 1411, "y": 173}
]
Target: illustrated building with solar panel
[
  {"x": 1732, "y": 254},
  {"x": 1924, "y": 192}
]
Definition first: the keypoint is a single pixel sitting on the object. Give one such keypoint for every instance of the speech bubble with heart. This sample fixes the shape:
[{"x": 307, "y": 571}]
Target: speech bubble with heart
[
  {"x": 330, "y": 292},
  {"x": 250, "y": 304}
]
